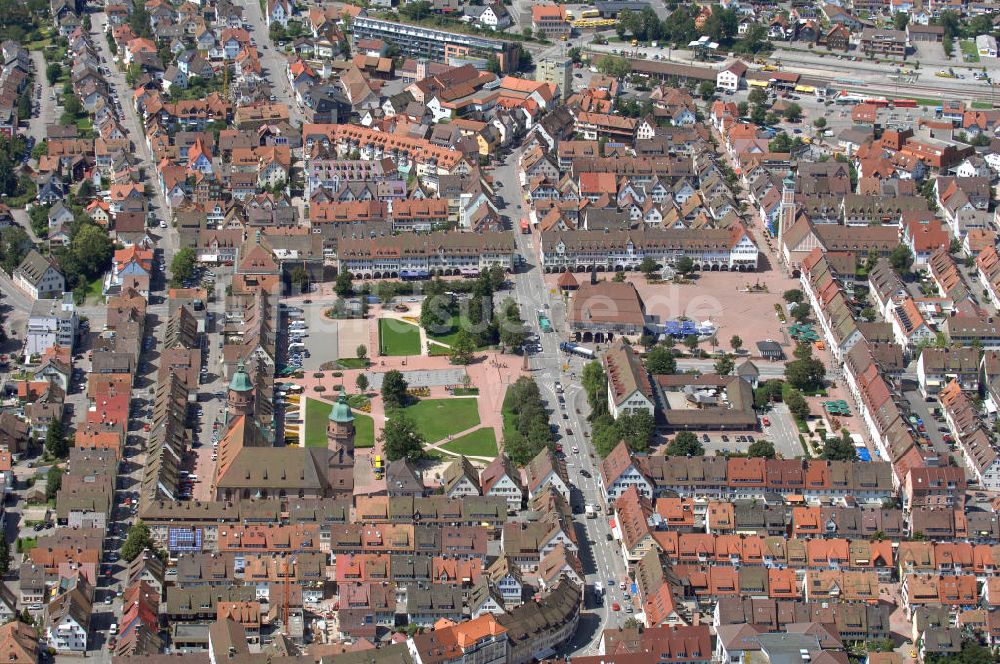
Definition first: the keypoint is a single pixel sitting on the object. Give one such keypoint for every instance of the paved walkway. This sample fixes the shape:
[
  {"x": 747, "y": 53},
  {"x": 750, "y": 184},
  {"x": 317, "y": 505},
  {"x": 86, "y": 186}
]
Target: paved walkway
[{"x": 492, "y": 373}]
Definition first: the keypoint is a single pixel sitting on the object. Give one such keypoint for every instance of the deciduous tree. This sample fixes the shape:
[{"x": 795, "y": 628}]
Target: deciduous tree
[
  {"x": 685, "y": 443},
  {"x": 463, "y": 348},
  {"x": 343, "y": 286},
  {"x": 182, "y": 265},
  {"x": 661, "y": 361},
  {"x": 840, "y": 448},
  {"x": 56, "y": 442},
  {"x": 762, "y": 449},
  {"x": 400, "y": 439},
  {"x": 394, "y": 388}
]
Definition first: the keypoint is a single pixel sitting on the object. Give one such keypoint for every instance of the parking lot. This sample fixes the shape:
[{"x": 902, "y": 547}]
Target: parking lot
[{"x": 721, "y": 444}]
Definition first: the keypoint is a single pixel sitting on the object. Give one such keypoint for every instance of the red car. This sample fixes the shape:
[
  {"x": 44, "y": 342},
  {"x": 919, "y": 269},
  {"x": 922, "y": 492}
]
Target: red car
[
  {"x": 616, "y": 607},
  {"x": 765, "y": 421}
]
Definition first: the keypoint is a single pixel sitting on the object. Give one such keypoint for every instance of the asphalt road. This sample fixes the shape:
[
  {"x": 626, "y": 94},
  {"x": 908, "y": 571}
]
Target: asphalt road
[
  {"x": 922, "y": 410},
  {"x": 275, "y": 65},
  {"x": 46, "y": 104},
  {"x": 168, "y": 238},
  {"x": 602, "y": 559}
]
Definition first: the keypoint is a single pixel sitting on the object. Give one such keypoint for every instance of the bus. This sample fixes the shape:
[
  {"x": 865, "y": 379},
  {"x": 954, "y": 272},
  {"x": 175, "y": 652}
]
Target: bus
[
  {"x": 590, "y": 13},
  {"x": 878, "y": 102},
  {"x": 904, "y": 103}
]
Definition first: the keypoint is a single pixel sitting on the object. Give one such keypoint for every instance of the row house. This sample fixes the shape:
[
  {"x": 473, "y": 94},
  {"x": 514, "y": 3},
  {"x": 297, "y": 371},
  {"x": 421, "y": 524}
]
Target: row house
[
  {"x": 777, "y": 552},
  {"x": 831, "y": 304},
  {"x": 980, "y": 452},
  {"x": 936, "y": 367},
  {"x": 750, "y": 478},
  {"x": 432, "y": 510},
  {"x": 712, "y": 249},
  {"x": 407, "y": 153},
  {"x": 847, "y": 522},
  {"x": 419, "y": 256},
  {"x": 419, "y": 215},
  {"x": 875, "y": 400},
  {"x": 934, "y": 487},
  {"x": 614, "y": 128},
  {"x": 957, "y": 591},
  {"x": 983, "y": 560},
  {"x": 854, "y": 622},
  {"x": 841, "y": 586},
  {"x": 988, "y": 269},
  {"x": 944, "y": 524}
]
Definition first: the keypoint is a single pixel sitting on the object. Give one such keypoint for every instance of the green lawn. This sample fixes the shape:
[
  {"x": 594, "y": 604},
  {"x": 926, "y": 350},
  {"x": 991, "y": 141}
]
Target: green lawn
[
  {"x": 448, "y": 338},
  {"x": 85, "y": 126},
  {"x": 480, "y": 443},
  {"x": 509, "y": 418},
  {"x": 435, "y": 350},
  {"x": 969, "y": 51},
  {"x": 438, "y": 418},
  {"x": 95, "y": 289},
  {"x": 317, "y": 413},
  {"x": 398, "y": 338},
  {"x": 364, "y": 431},
  {"x": 352, "y": 363}
]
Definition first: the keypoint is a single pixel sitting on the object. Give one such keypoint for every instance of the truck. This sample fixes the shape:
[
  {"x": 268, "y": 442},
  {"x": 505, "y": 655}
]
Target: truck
[
  {"x": 590, "y": 511},
  {"x": 577, "y": 349},
  {"x": 543, "y": 322},
  {"x": 377, "y": 467}
]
